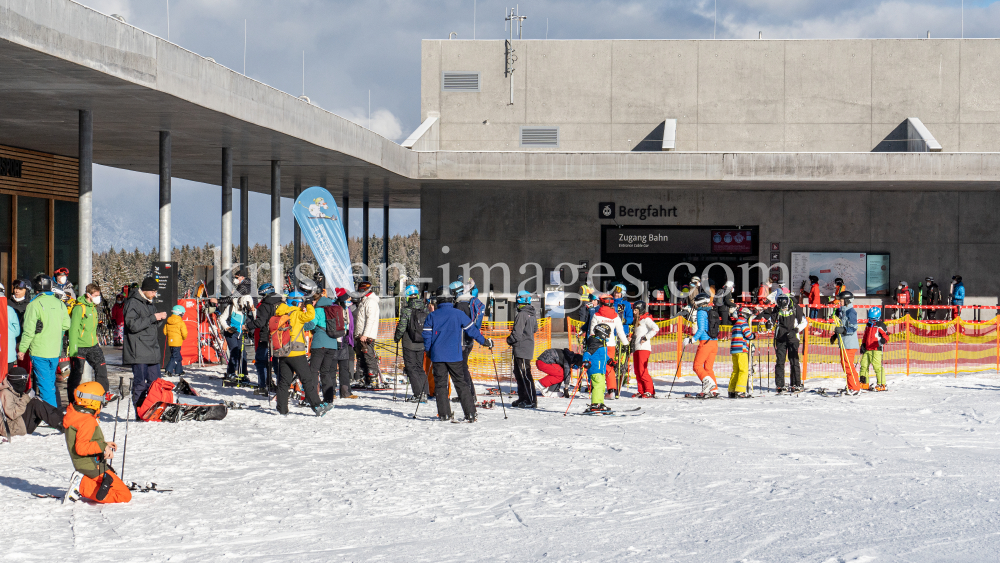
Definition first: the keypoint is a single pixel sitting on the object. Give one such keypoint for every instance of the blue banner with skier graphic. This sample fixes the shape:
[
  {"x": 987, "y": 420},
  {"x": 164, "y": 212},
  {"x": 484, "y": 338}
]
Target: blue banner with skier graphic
[{"x": 319, "y": 218}]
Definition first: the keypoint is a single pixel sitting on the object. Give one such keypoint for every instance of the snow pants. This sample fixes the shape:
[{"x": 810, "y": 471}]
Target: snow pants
[
  {"x": 441, "y": 372},
  {"x": 787, "y": 347},
  {"x": 525, "y": 382},
  {"x": 143, "y": 375},
  {"x": 366, "y": 368},
  {"x": 872, "y": 358},
  {"x": 94, "y": 356},
  {"x": 640, "y": 361},
  {"x": 289, "y": 368},
  {"x": 741, "y": 372},
  {"x": 119, "y": 491},
  {"x": 610, "y": 379},
  {"x": 553, "y": 373},
  {"x": 43, "y": 373},
  {"x": 324, "y": 364},
  {"x": 413, "y": 366},
  {"x": 597, "y": 389},
  {"x": 175, "y": 365},
  {"x": 847, "y": 362},
  {"x": 237, "y": 354},
  {"x": 37, "y": 411},
  {"x": 704, "y": 360},
  {"x": 260, "y": 362}
]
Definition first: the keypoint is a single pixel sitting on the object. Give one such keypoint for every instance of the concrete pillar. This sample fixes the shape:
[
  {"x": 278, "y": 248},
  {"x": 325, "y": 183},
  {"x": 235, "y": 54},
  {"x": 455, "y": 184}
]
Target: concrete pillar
[
  {"x": 364, "y": 228},
  {"x": 245, "y": 225},
  {"x": 385, "y": 243},
  {"x": 227, "y": 221},
  {"x": 345, "y": 210},
  {"x": 85, "y": 150},
  {"x": 296, "y": 233},
  {"x": 276, "y": 277},
  {"x": 165, "y": 244}
]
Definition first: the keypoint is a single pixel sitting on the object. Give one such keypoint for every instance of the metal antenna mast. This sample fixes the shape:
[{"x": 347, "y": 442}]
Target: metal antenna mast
[{"x": 511, "y": 19}]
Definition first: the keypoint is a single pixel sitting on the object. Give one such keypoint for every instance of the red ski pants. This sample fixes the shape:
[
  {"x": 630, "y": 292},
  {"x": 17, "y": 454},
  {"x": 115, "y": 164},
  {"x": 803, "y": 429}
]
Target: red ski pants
[
  {"x": 640, "y": 359},
  {"x": 553, "y": 373},
  {"x": 609, "y": 377}
]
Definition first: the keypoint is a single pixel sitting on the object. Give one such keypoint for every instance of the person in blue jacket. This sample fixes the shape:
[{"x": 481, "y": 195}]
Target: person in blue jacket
[
  {"x": 957, "y": 296},
  {"x": 444, "y": 331},
  {"x": 623, "y": 307},
  {"x": 596, "y": 361}
]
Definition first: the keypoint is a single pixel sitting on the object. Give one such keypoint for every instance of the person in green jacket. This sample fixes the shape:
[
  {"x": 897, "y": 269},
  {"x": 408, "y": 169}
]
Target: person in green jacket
[
  {"x": 83, "y": 346},
  {"x": 45, "y": 321}
]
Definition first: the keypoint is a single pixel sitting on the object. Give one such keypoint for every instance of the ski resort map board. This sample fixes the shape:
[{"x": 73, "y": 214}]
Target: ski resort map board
[{"x": 863, "y": 273}]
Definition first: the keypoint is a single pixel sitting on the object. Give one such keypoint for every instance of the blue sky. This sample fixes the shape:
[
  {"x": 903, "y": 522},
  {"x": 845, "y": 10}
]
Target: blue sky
[{"x": 355, "y": 47}]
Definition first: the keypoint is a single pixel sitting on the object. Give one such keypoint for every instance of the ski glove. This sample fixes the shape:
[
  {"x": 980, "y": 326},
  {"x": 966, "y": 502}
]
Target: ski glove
[
  {"x": 833, "y": 339},
  {"x": 840, "y": 330},
  {"x": 586, "y": 365},
  {"x": 642, "y": 340},
  {"x": 688, "y": 340},
  {"x": 489, "y": 343}
]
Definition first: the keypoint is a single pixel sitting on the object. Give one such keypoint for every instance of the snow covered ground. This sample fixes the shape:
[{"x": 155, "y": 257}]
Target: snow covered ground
[{"x": 908, "y": 475}]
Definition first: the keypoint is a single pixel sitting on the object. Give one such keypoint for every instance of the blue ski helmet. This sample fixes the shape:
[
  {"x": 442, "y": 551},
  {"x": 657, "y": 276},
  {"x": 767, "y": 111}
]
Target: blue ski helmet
[
  {"x": 295, "y": 298},
  {"x": 178, "y": 310},
  {"x": 874, "y": 313},
  {"x": 411, "y": 291},
  {"x": 265, "y": 289},
  {"x": 523, "y": 297},
  {"x": 456, "y": 288}
]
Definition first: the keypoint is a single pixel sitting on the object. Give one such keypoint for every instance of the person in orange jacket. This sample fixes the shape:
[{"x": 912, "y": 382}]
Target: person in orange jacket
[
  {"x": 177, "y": 333},
  {"x": 91, "y": 454}
]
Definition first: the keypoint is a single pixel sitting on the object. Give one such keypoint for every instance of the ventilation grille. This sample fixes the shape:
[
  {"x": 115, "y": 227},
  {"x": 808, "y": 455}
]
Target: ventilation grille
[
  {"x": 539, "y": 136},
  {"x": 460, "y": 81}
]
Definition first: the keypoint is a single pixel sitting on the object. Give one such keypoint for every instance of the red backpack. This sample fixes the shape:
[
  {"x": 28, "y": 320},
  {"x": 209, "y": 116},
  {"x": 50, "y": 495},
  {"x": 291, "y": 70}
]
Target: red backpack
[
  {"x": 283, "y": 343},
  {"x": 872, "y": 341}
]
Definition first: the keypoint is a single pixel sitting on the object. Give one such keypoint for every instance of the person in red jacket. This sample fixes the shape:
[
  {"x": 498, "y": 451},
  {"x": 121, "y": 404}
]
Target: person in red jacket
[
  {"x": 118, "y": 317},
  {"x": 91, "y": 454},
  {"x": 814, "y": 297}
]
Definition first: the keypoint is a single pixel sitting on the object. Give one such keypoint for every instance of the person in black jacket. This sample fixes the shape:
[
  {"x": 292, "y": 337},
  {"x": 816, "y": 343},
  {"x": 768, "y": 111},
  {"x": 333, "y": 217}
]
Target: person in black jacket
[
  {"x": 265, "y": 310},
  {"x": 142, "y": 338},
  {"x": 413, "y": 352},
  {"x": 522, "y": 343},
  {"x": 20, "y": 296},
  {"x": 557, "y": 365},
  {"x": 790, "y": 322}
]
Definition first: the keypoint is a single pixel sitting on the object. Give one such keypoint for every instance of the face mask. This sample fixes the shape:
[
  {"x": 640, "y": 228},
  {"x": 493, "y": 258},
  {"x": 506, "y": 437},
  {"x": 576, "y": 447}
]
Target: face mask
[
  {"x": 61, "y": 280},
  {"x": 96, "y": 300}
]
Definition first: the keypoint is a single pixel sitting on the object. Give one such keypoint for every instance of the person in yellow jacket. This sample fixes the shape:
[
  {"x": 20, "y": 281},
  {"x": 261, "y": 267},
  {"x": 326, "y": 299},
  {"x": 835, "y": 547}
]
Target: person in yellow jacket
[
  {"x": 83, "y": 347},
  {"x": 177, "y": 333},
  {"x": 288, "y": 341}
]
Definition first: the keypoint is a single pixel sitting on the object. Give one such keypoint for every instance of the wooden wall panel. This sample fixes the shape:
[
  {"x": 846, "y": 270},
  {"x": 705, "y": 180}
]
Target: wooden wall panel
[{"x": 42, "y": 175}]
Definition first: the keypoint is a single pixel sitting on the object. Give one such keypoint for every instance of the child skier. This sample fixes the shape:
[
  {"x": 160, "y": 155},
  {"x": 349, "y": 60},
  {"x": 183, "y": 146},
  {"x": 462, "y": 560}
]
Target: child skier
[
  {"x": 596, "y": 361},
  {"x": 607, "y": 316},
  {"x": 91, "y": 454},
  {"x": 847, "y": 333},
  {"x": 873, "y": 340},
  {"x": 741, "y": 334},
  {"x": 176, "y": 333}
]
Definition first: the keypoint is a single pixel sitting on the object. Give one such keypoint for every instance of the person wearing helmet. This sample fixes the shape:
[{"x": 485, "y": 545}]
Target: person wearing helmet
[
  {"x": 789, "y": 322},
  {"x": 739, "y": 348},
  {"x": 522, "y": 343},
  {"x": 61, "y": 285},
  {"x": 606, "y": 315},
  {"x": 257, "y": 328},
  {"x": 694, "y": 289},
  {"x": 838, "y": 288},
  {"x": 366, "y": 319},
  {"x": 588, "y": 306},
  {"x": 642, "y": 338},
  {"x": 903, "y": 296},
  {"x": 443, "y": 334},
  {"x": 623, "y": 308},
  {"x": 873, "y": 341},
  {"x": 957, "y": 296},
  {"x": 707, "y": 324},
  {"x": 409, "y": 334},
  {"x": 141, "y": 348},
  {"x": 84, "y": 347},
  {"x": 723, "y": 299},
  {"x": 327, "y": 330},
  {"x": 177, "y": 332},
  {"x": 18, "y": 301},
  {"x": 846, "y": 333},
  {"x": 22, "y": 413},
  {"x": 815, "y": 297},
  {"x": 91, "y": 454},
  {"x": 931, "y": 295},
  {"x": 288, "y": 342},
  {"x": 45, "y": 321},
  {"x": 596, "y": 361},
  {"x": 236, "y": 311},
  {"x": 466, "y": 301}
]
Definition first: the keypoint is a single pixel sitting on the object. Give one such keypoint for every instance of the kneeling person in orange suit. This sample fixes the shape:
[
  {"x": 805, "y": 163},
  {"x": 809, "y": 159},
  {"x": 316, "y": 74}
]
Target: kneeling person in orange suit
[{"x": 90, "y": 453}]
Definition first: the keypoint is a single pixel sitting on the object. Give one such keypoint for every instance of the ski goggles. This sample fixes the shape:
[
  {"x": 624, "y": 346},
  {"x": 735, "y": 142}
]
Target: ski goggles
[{"x": 99, "y": 398}]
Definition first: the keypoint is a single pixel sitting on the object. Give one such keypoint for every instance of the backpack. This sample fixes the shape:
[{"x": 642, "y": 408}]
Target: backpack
[
  {"x": 872, "y": 341},
  {"x": 334, "y": 321},
  {"x": 713, "y": 323},
  {"x": 415, "y": 327},
  {"x": 282, "y": 342}
]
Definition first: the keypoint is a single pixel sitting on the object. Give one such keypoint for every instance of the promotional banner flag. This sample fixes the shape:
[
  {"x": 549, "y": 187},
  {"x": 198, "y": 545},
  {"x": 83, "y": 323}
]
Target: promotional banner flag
[{"x": 319, "y": 218}]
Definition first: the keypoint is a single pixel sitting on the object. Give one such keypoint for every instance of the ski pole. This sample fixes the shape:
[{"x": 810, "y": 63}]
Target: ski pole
[
  {"x": 395, "y": 375},
  {"x": 677, "y": 373},
  {"x": 121, "y": 382},
  {"x": 578, "y": 382},
  {"x": 125, "y": 445},
  {"x": 497, "y": 373}
]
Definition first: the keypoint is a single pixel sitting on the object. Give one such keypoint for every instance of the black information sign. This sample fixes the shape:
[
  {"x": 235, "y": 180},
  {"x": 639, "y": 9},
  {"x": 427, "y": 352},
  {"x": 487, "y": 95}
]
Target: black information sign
[{"x": 165, "y": 274}]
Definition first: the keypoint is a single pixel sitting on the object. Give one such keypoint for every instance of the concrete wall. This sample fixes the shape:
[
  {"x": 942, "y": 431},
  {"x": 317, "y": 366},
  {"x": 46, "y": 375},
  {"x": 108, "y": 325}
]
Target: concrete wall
[
  {"x": 927, "y": 233},
  {"x": 755, "y": 95}
]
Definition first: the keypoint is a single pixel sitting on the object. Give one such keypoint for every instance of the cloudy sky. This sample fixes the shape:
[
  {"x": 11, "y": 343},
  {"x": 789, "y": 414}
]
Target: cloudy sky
[{"x": 355, "y": 47}]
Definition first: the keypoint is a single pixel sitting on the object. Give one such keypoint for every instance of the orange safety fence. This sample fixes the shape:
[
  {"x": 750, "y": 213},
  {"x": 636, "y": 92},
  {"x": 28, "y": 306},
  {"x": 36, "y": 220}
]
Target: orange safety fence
[{"x": 480, "y": 360}]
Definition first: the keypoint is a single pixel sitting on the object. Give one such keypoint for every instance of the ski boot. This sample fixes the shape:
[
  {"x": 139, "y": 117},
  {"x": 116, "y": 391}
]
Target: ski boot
[
  {"x": 446, "y": 418},
  {"x": 847, "y": 391},
  {"x": 322, "y": 408},
  {"x": 421, "y": 398},
  {"x": 73, "y": 492},
  {"x": 797, "y": 388},
  {"x": 566, "y": 392},
  {"x": 597, "y": 408},
  {"x": 741, "y": 395},
  {"x": 468, "y": 419},
  {"x": 880, "y": 387},
  {"x": 648, "y": 395},
  {"x": 517, "y": 404},
  {"x": 732, "y": 394}
]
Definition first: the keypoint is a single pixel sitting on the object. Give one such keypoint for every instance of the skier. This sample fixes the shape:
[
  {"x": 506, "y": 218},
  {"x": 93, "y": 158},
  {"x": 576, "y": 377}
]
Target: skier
[
  {"x": 409, "y": 334},
  {"x": 366, "y": 321},
  {"x": 694, "y": 290},
  {"x": 118, "y": 318},
  {"x": 288, "y": 343},
  {"x": 606, "y": 315},
  {"x": 48, "y": 314},
  {"x": 815, "y": 297},
  {"x": 62, "y": 287},
  {"x": 23, "y": 413},
  {"x": 623, "y": 308},
  {"x": 645, "y": 330},
  {"x": 83, "y": 346},
  {"x": 557, "y": 365},
  {"x": 266, "y": 370},
  {"x": 443, "y": 340},
  {"x": 741, "y": 335},
  {"x": 707, "y": 324},
  {"x": 324, "y": 347},
  {"x": 838, "y": 288},
  {"x": 596, "y": 362},
  {"x": 177, "y": 333},
  {"x": 873, "y": 341},
  {"x": 19, "y": 299},
  {"x": 763, "y": 291},
  {"x": 957, "y": 296},
  {"x": 847, "y": 333},
  {"x": 345, "y": 345},
  {"x": 903, "y": 296},
  {"x": 91, "y": 454},
  {"x": 723, "y": 300},
  {"x": 467, "y": 301},
  {"x": 237, "y": 310},
  {"x": 931, "y": 296},
  {"x": 522, "y": 344},
  {"x": 789, "y": 324},
  {"x": 141, "y": 348}
]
